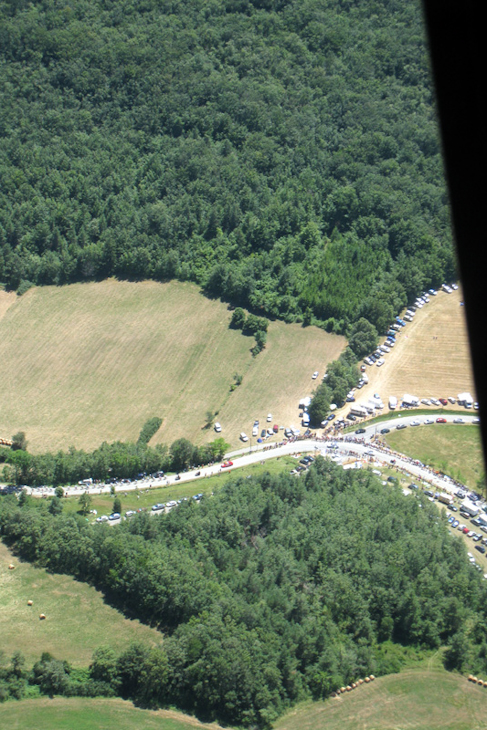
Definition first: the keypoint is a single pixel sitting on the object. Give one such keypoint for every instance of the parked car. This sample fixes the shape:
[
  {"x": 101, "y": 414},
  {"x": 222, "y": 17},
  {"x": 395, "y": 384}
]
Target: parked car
[
  {"x": 415, "y": 423},
  {"x": 244, "y": 437},
  {"x": 443, "y": 401},
  {"x": 351, "y": 417},
  {"x": 441, "y": 420},
  {"x": 315, "y": 375},
  {"x": 360, "y": 430},
  {"x": 227, "y": 463},
  {"x": 480, "y": 548},
  {"x": 401, "y": 426},
  {"x": 385, "y": 430},
  {"x": 458, "y": 420},
  {"x": 427, "y": 421},
  {"x": 331, "y": 417},
  {"x": 269, "y": 417},
  {"x": 217, "y": 427}
]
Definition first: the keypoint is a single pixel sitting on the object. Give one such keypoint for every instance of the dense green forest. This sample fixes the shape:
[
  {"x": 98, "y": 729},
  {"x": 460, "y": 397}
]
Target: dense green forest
[
  {"x": 271, "y": 591},
  {"x": 283, "y": 154}
]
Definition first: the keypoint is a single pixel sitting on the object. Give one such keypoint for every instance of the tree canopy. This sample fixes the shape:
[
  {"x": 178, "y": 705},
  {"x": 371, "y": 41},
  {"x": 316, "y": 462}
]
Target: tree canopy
[
  {"x": 284, "y": 155},
  {"x": 275, "y": 589}
]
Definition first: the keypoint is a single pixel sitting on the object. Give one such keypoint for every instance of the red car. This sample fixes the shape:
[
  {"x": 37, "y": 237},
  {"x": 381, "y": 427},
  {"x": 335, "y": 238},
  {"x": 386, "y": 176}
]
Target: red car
[
  {"x": 227, "y": 463},
  {"x": 443, "y": 401},
  {"x": 275, "y": 428},
  {"x": 441, "y": 420}
]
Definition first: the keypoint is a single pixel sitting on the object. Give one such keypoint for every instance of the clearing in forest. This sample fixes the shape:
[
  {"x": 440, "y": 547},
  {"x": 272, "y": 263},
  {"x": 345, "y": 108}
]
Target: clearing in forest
[{"x": 88, "y": 363}]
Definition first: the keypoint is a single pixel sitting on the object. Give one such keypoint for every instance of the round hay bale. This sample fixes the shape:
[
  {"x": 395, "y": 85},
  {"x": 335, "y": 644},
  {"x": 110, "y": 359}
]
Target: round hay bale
[
  {"x": 470, "y": 678},
  {"x": 353, "y": 685},
  {"x": 372, "y": 677},
  {"x": 479, "y": 681},
  {"x": 42, "y": 616},
  {"x": 367, "y": 680},
  {"x": 474, "y": 679},
  {"x": 30, "y": 603},
  {"x": 342, "y": 689},
  {"x": 361, "y": 681},
  {"x": 349, "y": 689},
  {"x": 333, "y": 694},
  {"x": 485, "y": 684},
  {"x": 11, "y": 567}
]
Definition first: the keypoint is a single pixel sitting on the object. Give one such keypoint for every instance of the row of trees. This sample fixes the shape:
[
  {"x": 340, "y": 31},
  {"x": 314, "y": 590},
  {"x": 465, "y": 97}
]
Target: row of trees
[
  {"x": 284, "y": 155},
  {"x": 117, "y": 460},
  {"x": 274, "y": 590}
]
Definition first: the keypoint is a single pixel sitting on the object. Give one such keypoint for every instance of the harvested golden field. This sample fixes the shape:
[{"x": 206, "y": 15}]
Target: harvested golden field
[
  {"x": 431, "y": 357},
  {"x": 92, "y": 362}
]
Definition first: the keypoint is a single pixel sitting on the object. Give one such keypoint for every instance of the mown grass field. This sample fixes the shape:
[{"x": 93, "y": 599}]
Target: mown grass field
[
  {"x": 416, "y": 699},
  {"x": 453, "y": 449},
  {"x": 92, "y": 714},
  {"x": 77, "y": 619},
  {"x": 431, "y": 357},
  {"x": 87, "y": 363}
]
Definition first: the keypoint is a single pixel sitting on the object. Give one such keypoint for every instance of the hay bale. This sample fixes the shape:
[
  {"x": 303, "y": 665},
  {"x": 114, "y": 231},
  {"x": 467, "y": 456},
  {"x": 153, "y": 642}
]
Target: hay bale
[
  {"x": 42, "y": 616},
  {"x": 342, "y": 689},
  {"x": 333, "y": 694},
  {"x": 11, "y": 567},
  {"x": 470, "y": 678},
  {"x": 361, "y": 681},
  {"x": 372, "y": 677},
  {"x": 30, "y": 603},
  {"x": 474, "y": 679},
  {"x": 353, "y": 685},
  {"x": 367, "y": 680},
  {"x": 349, "y": 689},
  {"x": 485, "y": 684},
  {"x": 479, "y": 681}
]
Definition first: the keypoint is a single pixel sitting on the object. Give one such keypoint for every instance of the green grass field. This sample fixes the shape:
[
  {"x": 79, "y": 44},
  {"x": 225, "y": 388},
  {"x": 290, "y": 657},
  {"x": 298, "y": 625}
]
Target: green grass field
[
  {"x": 77, "y": 618},
  {"x": 416, "y": 699},
  {"x": 87, "y": 363},
  {"x": 88, "y": 714},
  {"x": 453, "y": 449}
]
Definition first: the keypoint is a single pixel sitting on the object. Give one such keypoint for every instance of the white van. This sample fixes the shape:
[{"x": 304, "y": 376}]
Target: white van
[
  {"x": 217, "y": 427},
  {"x": 244, "y": 437}
]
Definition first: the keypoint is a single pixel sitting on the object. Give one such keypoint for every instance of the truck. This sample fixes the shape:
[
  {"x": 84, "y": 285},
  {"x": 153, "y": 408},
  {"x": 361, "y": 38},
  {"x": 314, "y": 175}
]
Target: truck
[
  {"x": 410, "y": 400},
  {"x": 470, "y": 508},
  {"x": 445, "y": 498},
  {"x": 358, "y": 410}
]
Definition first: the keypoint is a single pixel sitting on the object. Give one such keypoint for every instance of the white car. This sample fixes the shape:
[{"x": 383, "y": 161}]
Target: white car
[
  {"x": 458, "y": 420},
  {"x": 244, "y": 437},
  {"x": 415, "y": 423},
  {"x": 269, "y": 417},
  {"x": 380, "y": 362},
  {"x": 315, "y": 375},
  {"x": 217, "y": 427},
  {"x": 428, "y": 421},
  {"x": 255, "y": 431},
  {"x": 435, "y": 401},
  {"x": 451, "y": 399},
  {"x": 425, "y": 401},
  {"x": 454, "y": 286}
]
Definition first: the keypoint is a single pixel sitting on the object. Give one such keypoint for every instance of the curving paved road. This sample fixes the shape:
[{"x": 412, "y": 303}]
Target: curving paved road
[{"x": 349, "y": 446}]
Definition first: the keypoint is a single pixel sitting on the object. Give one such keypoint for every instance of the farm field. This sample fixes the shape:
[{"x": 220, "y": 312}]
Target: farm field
[
  {"x": 431, "y": 357},
  {"x": 77, "y": 619},
  {"x": 416, "y": 699},
  {"x": 88, "y": 363},
  {"x": 453, "y": 449},
  {"x": 61, "y": 713}
]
